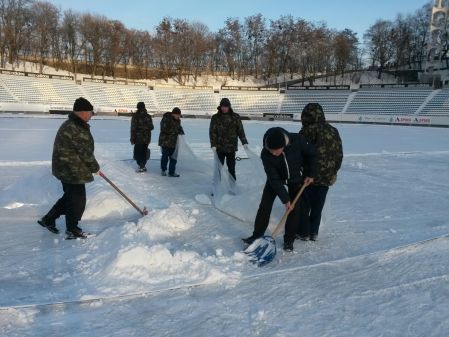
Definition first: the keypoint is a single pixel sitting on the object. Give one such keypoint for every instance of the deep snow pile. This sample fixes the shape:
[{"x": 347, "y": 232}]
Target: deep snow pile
[
  {"x": 138, "y": 255},
  {"x": 181, "y": 265}
]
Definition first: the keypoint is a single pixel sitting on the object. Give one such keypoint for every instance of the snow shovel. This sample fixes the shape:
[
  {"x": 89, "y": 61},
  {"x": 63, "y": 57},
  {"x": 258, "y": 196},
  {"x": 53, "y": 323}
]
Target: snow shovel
[
  {"x": 143, "y": 211},
  {"x": 263, "y": 250}
]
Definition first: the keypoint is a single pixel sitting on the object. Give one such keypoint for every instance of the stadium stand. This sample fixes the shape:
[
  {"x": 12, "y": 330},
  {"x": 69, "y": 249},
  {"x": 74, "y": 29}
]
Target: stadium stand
[
  {"x": 185, "y": 99},
  {"x": 332, "y": 101},
  {"x": 41, "y": 90},
  {"x": 5, "y": 96},
  {"x": 388, "y": 101},
  {"x": 422, "y": 103},
  {"x": 120, "y": 96},
  {"x": 251, "y": 103},
  {"x": 438, "y": 105}
]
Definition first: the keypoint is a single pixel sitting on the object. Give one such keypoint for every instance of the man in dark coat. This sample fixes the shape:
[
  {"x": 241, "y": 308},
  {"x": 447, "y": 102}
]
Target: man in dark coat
[
  {"x": 225, "y": 129},
  {"x": 168, "y": 138},
  {"x": 289, "y": 160},
  {"x": 327, "y": 142},
  {"x": 73, "y": 163},
  {"x": 141, "y": 127}
]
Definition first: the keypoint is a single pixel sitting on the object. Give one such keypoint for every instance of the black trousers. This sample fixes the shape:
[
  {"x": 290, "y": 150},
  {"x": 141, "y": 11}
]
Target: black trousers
[
  {"x": 230, "y": 161},
  {"x": 141, "y": 154},
  {"x": 311, "y": 207},
  {"x": 72, "y": 204},
  {"x": 264, "y": 212}
]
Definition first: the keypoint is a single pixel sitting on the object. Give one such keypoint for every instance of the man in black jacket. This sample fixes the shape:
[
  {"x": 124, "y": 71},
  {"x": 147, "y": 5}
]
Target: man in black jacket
[
  {"x": 141, "y": 127},
  {"x": 287, "y": 158}
]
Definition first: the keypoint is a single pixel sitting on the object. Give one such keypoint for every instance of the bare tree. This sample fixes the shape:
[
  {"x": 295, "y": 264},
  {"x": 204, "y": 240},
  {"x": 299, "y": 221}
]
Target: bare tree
[
  {"x": 94, "y": 31},
  {"x": 255, "y": 27},
  {"x": 379, "y": 39},
  {"x": 15, "y": 16},
  {"x": 45, "y": 21}
]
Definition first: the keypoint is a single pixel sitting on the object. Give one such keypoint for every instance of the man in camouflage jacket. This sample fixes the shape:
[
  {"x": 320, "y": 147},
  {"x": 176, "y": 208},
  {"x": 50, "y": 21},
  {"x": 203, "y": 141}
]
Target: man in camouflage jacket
[
  {"x": 141, "y": 127},
  {"x": 168, "y": 138},
  {"x": 328, "y": 144},
  {"x": 73, "y": 163},
  {"x": 225, "y": 129}
]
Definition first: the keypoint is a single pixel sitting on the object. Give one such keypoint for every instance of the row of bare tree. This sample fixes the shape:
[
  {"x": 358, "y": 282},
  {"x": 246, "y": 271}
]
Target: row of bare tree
[
  {"x": 401, "y": 43},
  {"x": 84, "y": 43}
]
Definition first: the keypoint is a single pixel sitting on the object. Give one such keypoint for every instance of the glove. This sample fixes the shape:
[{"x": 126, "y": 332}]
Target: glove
[
  {"x": 245, "y": 146},
  {"x": 214, "y": 149}
]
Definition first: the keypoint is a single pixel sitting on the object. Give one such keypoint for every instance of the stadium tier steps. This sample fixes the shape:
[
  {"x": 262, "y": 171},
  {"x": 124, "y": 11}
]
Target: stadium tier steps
[
  {"x": 252, "y": 103},
  {"x": 41, "y": 90},
  {"x": 438, "y": 105},
  {"x": 120, "y": 96},
  {"x": 388, "y": 101},
  {"x": 332, "y": 101},
  {"x": 5, "y": 96},
  {"x": 185, "y": 99}
]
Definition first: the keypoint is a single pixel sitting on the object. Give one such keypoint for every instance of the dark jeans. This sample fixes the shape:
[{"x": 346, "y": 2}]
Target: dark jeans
[
  {"x": 71, "y": 204},
  {"x": 167, "y": 154},
  {"x": 141, "y": 154},
  {"x": 312, "y": 203},
  {"x": 230, "y": 161},
  {"x": 264, "y": 212}
]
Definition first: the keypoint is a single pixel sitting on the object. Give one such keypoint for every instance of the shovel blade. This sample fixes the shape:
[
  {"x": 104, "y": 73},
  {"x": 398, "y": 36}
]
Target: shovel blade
[{"x": 262, "y": 251}]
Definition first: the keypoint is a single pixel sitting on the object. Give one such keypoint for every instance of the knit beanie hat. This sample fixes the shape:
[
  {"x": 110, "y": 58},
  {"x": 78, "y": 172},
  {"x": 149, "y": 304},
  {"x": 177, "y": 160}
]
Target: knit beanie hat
[
  {"x": 275, "y": 139},
  {"x": 82, "y": 104}
]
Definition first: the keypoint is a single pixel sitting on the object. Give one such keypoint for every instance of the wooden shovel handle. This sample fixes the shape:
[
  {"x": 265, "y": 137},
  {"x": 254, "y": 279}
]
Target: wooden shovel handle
[
  {"x": 137, "y": 208},
  {"x": 281, "y": 223}
]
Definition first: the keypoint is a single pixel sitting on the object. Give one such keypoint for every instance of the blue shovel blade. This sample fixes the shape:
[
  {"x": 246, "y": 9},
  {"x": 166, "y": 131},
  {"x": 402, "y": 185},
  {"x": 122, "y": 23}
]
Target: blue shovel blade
[{"x": 262, "y": 251}]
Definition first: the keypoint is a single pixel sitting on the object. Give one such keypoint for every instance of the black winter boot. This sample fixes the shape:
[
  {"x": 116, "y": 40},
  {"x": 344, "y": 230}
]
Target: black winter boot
[
  {"x": 249, "y": 240},
  {"x": 288, "y": 245},
  {"x": 49, "y": 224}
]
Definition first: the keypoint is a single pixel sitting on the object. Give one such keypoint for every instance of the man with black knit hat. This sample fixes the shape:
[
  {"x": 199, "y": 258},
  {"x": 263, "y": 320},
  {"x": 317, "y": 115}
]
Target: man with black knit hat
[
  {"x": 289, "y": 160},
  {"x": 73, "y": 163},
  {"x": 225, "y": 129},
  {"x": 168, "y": 138},
  {"x": 141, "y": 127}
]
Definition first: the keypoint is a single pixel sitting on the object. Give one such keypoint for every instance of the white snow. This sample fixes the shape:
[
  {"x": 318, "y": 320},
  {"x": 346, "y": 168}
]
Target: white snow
[{"x": 179, "y": 270}]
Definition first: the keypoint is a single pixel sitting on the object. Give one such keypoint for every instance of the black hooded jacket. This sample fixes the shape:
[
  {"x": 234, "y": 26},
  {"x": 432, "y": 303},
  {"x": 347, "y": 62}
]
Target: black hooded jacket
[{"x": 298, "y": 160}]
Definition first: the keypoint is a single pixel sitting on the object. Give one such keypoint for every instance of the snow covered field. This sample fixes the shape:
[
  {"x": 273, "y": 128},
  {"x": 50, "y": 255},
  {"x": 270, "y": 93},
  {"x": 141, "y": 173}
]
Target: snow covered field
[{"x": 179, "y": 271}]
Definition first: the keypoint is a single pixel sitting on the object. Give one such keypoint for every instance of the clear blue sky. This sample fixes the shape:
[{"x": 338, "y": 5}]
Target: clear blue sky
[{"x": 339, "y": 14}]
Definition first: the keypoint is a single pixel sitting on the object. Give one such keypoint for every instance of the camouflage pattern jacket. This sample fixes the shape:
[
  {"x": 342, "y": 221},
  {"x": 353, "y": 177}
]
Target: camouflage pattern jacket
[
  {"x": 328, "y": 144},
  {"x": 73, "y": 159},
  {"x": 224, "y": 131},
  {"x": 141, "y": 127},
  {"x": 170, "y": 129}
]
